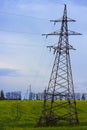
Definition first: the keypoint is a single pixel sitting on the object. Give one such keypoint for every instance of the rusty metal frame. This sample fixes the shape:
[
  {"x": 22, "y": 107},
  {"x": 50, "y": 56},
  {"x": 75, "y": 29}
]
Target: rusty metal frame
[{"x": 60, "y": 85}]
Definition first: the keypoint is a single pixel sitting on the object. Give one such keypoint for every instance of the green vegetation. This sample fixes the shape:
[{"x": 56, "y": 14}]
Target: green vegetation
[
  {"x": 2, "y": 95},
  {"x": 23, "y": 115}
]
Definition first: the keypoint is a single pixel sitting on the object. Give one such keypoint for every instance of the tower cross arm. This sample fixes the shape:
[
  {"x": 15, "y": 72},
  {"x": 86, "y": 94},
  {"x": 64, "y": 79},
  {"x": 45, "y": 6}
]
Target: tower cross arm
[
  {"x": 73, "y": 33},
  {"x": 58, "y": 48},
  {"x": 68, "y": 33},
  {"x": 53, "y": 33},
  {"x": 60, "y": 20}
]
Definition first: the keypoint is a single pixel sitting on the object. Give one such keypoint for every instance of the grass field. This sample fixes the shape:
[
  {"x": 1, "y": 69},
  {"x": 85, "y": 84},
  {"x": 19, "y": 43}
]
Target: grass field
[{"x": 23, "y": 115}]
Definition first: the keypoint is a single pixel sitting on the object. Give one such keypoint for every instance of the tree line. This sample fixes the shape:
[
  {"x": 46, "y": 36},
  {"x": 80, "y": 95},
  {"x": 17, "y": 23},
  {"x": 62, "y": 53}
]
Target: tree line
[
  {"x": 10, "y": 95},
  {"x": 17, "y": 96},
  {"x": 2, "y": 96}
]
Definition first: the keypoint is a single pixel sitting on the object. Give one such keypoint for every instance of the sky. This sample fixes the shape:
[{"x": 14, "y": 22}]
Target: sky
[{"x": 24, "y": 57}]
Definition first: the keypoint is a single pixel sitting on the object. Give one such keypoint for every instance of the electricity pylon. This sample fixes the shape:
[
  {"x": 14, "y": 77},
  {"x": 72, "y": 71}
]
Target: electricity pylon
[{"x": 60, "y": 85}]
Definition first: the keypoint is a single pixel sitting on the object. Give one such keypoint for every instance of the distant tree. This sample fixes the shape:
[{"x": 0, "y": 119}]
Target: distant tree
[
  {"x": 83, "y": 97},
  {"x": 61, "y": 97},
  {"x": 37, "y": 97},
  {"x": 2, "y": 97}
]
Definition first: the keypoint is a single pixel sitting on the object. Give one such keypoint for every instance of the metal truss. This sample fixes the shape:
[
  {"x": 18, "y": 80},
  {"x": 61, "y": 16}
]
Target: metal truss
[{"x": 59, "y": 98}]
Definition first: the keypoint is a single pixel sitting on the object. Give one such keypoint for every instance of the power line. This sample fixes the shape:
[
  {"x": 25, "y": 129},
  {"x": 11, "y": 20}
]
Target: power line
[
  {"x": 20, "y": 44},
  {"x": 14, "y": 31},
  {"x": 22, "y": 15}
]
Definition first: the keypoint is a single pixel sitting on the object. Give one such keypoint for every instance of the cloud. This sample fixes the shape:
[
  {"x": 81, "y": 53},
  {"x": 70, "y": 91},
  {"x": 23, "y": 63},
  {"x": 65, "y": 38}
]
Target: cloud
[
  {"x": 8, "y": 72},
  {"x": 80, "y": 2}
]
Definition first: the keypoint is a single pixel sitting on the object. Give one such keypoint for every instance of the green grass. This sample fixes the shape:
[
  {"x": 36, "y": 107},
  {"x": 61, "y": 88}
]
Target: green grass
[{"x": 23, "y": 115}]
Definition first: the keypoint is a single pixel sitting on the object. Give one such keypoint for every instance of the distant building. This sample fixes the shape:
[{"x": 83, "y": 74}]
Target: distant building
[
  {"x": 78, "y": 96},
  {"x": 32, "y": 96},
  {"x": 40, "y": 96},
  {"x": 85, "y": 96},
  {"x": 13, "y": 95}
]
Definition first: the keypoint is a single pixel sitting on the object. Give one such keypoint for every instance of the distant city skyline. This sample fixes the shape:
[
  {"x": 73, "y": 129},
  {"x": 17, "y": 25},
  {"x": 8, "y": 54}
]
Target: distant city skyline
[{"x": 24, "y": 58}]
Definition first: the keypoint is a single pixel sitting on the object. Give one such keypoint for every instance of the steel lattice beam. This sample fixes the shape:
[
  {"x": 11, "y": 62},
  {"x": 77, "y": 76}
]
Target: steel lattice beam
[{"x": 60, "y": 85}]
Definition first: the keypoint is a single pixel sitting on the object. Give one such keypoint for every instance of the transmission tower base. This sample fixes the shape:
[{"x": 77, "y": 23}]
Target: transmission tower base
[{"x": 66, "y": 119}]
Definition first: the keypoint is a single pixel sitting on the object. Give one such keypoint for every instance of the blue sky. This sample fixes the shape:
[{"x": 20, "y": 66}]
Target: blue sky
[{"x": 24, "y": 58}]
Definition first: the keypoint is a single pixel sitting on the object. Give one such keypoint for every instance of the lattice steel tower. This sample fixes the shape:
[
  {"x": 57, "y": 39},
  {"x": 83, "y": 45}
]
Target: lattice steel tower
[{"x": 60, "y": 85}]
